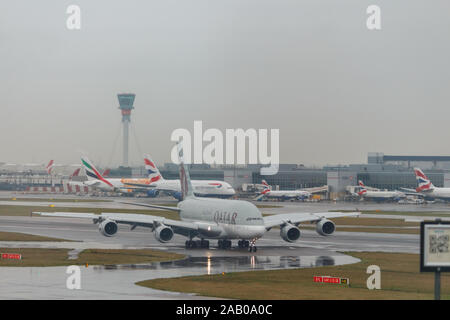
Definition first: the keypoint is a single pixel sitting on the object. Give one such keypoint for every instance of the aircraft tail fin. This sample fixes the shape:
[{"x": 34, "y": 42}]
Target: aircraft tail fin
[
  {"x": 152, "y": 170},
  {"x": 187, "y": 191},
  {"x": 50, "y": 166},
  {"x": 92, "y": 173},
  {"x": 76, "y": 173},
  {"x": 363, "y": 188},
  {"x": 423, "y": 182},
  {"x": 266, "y": 186},
  {"x": 266, "y": 189}
]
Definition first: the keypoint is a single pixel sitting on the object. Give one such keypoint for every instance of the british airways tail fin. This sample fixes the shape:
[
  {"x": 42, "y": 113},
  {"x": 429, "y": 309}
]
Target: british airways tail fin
[
  {"x": 423, "y": 182},
  {"x": 363, "y": 188},
  {"x": 75, "y": 173},
  {"x": 266, "y": 185},
  {"x": 50, "y": 166},
  {"x": 152, "y": 170}
]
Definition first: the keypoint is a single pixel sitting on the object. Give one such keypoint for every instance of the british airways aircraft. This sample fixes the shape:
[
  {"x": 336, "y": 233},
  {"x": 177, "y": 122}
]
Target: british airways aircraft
[
  {"x": 379, "y": 195},
  {"x": 202, "y": 188},
  {"x": 426, "y": 188},
  {"x": 283, "y": 194},
  {"x": 204, "y": 218}
]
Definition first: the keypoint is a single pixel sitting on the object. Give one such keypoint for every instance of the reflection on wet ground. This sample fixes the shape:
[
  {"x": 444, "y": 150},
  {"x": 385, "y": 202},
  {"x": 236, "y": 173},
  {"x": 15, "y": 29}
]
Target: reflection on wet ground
[
  {"x": 118, "y": 281},
  {"x": 212, "y": 265}
]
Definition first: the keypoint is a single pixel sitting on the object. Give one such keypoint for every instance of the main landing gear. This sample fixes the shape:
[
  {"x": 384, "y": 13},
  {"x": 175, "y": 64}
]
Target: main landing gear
[
  {"x": 243, "y": 243},
  {"x": 224, "y": 244},
  {"x": 193, "y": 244}
]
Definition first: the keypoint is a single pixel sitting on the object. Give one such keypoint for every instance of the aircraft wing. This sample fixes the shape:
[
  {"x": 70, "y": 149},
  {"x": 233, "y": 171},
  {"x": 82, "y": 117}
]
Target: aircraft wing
[
  {"x": 143, "y": 220},
  {"x": 148, "y": 186},
  {"x": 316, "y": 189},
  {"x": 296, "y": 218},
  {"x": 93, "y": 184},
  {"x": 409, "y": 190},
  {"x": 152, "y": 206}
]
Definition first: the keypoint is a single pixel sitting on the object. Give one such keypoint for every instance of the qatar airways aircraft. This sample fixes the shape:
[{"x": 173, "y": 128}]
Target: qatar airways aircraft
[
  {"x": 204, "y": 218},
  {"x": 202, "y": 188}
]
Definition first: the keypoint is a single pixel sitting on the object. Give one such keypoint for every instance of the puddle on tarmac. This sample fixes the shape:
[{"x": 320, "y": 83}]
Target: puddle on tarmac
[{"x": 234, "y": 264}]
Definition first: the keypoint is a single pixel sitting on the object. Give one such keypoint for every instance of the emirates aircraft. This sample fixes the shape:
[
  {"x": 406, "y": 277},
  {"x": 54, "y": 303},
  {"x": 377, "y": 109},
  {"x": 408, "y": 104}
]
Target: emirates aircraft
[
  {"x": 204, "y": 218},
  {"x": 379, "y": 195},
  {"x": 97, "y": 181},
  {"x": 427, "y": 189}
]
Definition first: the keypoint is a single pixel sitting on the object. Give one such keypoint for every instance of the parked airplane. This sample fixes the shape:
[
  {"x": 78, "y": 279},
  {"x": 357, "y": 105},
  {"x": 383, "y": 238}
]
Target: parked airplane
[
  {"x": 154, "y": 184},
  {"x": 221, "y": 219},
  {"x": 427, "y": 189},
  {"x": 379, "y": 195},
  {"x": 202, "y": 188},
  {"x": 97, "y": 181},
  {"x": 283, "y": 194}
]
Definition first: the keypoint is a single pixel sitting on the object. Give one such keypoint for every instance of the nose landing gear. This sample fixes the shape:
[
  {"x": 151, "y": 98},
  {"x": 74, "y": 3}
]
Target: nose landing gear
[{"x": 252, "y": 247}]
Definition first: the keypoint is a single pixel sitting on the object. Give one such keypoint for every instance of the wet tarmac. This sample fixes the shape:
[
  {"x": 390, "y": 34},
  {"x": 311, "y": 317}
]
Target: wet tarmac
[{"x": 118, "y": 282}]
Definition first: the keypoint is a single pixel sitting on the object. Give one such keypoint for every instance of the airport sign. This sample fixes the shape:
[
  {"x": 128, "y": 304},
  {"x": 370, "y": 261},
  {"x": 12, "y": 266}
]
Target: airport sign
[
  {"x": 328, "y": 279},
  {"x": 435, "y": 246},
  {"x": 11, "y": 256}
]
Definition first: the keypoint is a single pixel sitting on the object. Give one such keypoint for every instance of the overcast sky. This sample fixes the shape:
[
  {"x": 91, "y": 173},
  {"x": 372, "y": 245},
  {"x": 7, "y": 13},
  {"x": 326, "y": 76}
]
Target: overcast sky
[{"x": 309, "y": 68}]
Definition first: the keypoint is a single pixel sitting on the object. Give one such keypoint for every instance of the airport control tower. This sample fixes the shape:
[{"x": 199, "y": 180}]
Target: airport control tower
[{"x": 126, "y": 101}]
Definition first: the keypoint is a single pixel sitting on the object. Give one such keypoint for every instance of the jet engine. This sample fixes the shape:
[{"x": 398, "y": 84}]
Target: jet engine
[
  {"x": 108, "y": 228},
  {"x": 152, "y": 193},
  {"x": 163, "y": 233},
  {"x": 290, "y": 233},
  {"x": 178, "y": 196},
  {"x": 325, "y": 227}
]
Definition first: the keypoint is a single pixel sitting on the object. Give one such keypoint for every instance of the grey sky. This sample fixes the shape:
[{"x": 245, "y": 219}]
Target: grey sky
[{"x": 310, "y": 68}]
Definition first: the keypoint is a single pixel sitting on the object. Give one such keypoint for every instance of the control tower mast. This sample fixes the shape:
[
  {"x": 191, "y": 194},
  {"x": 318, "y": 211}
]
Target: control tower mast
[{"x": 126, "y": 101}]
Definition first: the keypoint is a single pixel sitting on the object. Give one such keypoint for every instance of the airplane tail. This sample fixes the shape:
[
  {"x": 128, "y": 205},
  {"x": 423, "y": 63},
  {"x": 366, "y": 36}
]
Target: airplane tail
[
  {"x": 266, "y": 186},
  {"x": 423, "y": 182},
  {"x": 75, "y": 173},
  {"x": 187, "y": 191},
  {"x": 266, "y": 189},
  {"x": 50, "y": 166},
  {"x": 92, "y": 173},
  {"x": 363, "y": 188},
  {"x": 152, "y": 170}
]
